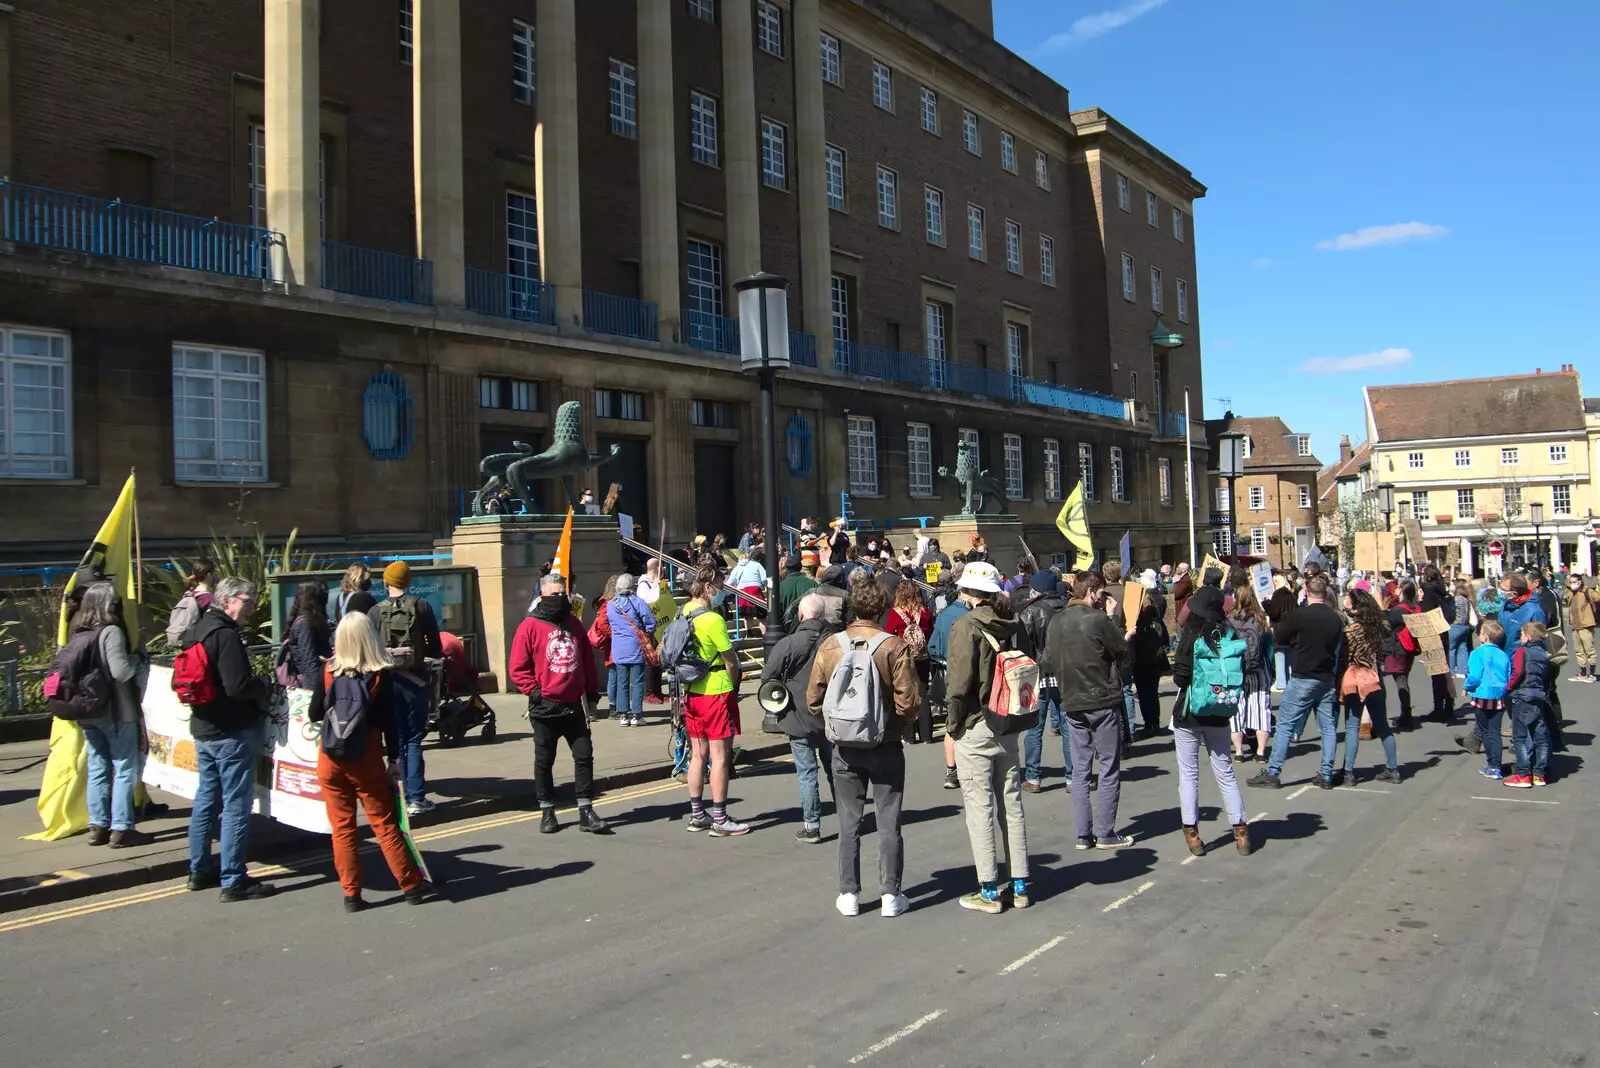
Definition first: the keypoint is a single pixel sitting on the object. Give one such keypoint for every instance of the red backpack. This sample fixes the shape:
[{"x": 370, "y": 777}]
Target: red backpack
[{"x": 192, "y": 678}]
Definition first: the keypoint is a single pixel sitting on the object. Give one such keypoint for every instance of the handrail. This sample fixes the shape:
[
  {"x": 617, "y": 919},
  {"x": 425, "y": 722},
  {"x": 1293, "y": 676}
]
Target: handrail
[{"x": 651, "y": 551}]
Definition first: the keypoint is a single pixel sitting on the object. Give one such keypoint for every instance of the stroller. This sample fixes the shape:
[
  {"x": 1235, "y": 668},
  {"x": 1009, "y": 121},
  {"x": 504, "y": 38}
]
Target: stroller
[{"x": 460, "y": 707}]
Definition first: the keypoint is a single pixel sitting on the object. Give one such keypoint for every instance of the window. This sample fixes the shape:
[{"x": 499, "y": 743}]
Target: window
[
  {"x": 1016, "y": 487},
  {"x": 1561, "y": 499},
  {"x": 936, "y": 320},
  {"x": 933, "y": 213},
  {"x": 1558, "y": 454},
  {"x": 705, "y": 10},
  {"x": 1177, "y": 224},
  {"x": 1052, "y": 469},
  {"x": 1016, "y": 348},
  {"x": 919, "y": 459},
  {"x": 1155, "y": 288},
  {"x": 1249, "y": 446},
  {"x": 769, "y": 28},
  {"x": 703, "y": 128},
  {"x": 618, "y": 404},
  {"x": 930, "y": 110},
  {"x": 888, "y": 198},
  {"x": 1465, "y": 503},
  {"x": 975, "y": 242},
  {"x": 1164, "y": 470},
  {"x": 1305, "y": 496},
  {"x": 702, "y": 263},
  {"x": 1183, "y": 301},
  {"x": 831, "y": 71},
  {"x": 862, "y": 432},
  {"x": 839, "y": 300},
  {"x": 1122, "y": 192},
  {"x": 1223, "y": 503},
  {"x": 1258, "y": 541},
  {"x": 35, "y": 403},
  {"x": 834, "y": 162},
  {"x": 515, "y": 394},
  {"x": 1414, "y": 461},
  {"x": 1008, "y": 152},
  {"x": 1509, "y": 456},
  {"x": 1511, "y": 501},
  {"x": 405, "y": 32},
  {"x": 1463, "y": 457},
  {"x": 1013, "y": 247},
  {"x": 1086, "y": 469},
  {"x": 882, "y": 86},
  {"x": 717, "y": 414},
  {"x": 1151, "y": 213},
  {"x": 522, "y": 62},
  {"x": 1041, "y": 170},
  {"x": 624, "y": 99},
  {"x": 970, "y": 436},
  {"x": 1129, "y": 292},
  {"x": 1133, "y": 384},
  {"x": 969, "y": 133},
  {"x": 774, "y": 155},
  {"x": 1419, "y": 507},
  {"x": 1222, "y": 542},
  {"x": 522, "y": 235},
  {"x": 1302, "y": 446},
  {"x": 219, "y": 414},
  {"x": 256, "y": 174},
  {"x": 1119, "y": 482},
  {"x": 1258, "y": 498},
  {"x": 1047, "y": 260}
]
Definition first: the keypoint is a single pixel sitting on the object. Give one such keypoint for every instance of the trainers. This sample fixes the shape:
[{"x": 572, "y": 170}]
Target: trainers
[
  {"x": 588, "y": 821},
  {"x": 809, "y": 836},
  {"x": 130, "y": 837},
  {"x": 701, "y": 822},
  {"x": 99, "y": 836},
  {"x": 247, "y": 889},
  {"x": 1068, "y": 783},
  {"x": 848, "y": 904},
  {"x": 728, "y": 828},
  {"x": 204, "y": 880},
  {"x": 353, "y": 903},
  {"x": 417, "y": 808},
  {"x": 1518, "y": 782},
  {"x": 982, "y": 901},
  {"x": 1538, "y": 780},
  {"x": 1085, "y": 842},
  {"x": 1113, "y": 841},
  {"x": 1030, "y": 787},
  {"x": 1492, "y": 772},
  {"x": 1264, "y": 778},
  {"x": 951, "y": 780},
  {"x": 894, "y": 905},
  {"x": 1577, "y": 678},
  {"x": 548, "y": 824},
  {"x": 1019, "y": 894},
  {"x": 1324, "y": 782},
  {"x": 421, "y": 894},
  {"x": 1387, "y": 775}
]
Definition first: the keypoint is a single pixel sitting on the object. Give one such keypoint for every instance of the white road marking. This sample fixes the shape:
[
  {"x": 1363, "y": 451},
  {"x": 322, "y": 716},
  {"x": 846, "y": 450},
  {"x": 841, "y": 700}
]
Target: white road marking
[
  {"x": 1021, "y": 961},
  {"x": 1358, "y": 790},
  {"x": 1188, "y": 860},
  {"x": 904, "y": 1032},
  {"x": 1257, "y": 818},
  {"x": 1300, "y": 791},
  {"x": 718, "y": 1062},
  {"x": 1517, "y": 800},
  {"x": 1121, "y": 901}
]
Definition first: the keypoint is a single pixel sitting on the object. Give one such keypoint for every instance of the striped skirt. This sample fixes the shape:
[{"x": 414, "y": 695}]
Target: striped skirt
[{"x": 1255, "y": 712}]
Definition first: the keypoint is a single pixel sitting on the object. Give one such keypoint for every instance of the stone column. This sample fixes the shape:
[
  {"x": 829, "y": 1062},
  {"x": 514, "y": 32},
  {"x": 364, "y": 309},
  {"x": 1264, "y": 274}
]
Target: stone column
[
  {"x": 816, "y": 261},
  {"x": 294, "y": 134},
  {"x": 658, "y": 164},
  {"x": 5, "y": 88},
  {"x": 436, "y": 141},
  {"x": 742, "y": 160},
  {"x": 555, "y": 152},
  {"x": 672, "y": 465}
]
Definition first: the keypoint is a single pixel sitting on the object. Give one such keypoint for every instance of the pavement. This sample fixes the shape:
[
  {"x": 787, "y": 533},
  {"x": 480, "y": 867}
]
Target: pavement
[{"x": 1445, "y": 921}]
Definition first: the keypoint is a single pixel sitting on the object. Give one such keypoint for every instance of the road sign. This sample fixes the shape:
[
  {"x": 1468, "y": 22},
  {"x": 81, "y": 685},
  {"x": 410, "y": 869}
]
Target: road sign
[{"x": 1497, "y": 548}]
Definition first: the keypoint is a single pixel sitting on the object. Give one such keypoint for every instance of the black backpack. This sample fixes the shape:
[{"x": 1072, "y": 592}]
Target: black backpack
[
  {"x": 78, "y": 686},
  {"x": 347, "y": 715}
]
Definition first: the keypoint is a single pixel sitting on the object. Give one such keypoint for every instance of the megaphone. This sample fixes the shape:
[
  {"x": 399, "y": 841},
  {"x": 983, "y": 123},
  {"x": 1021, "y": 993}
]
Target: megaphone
[{"x": 773, "y": 697}]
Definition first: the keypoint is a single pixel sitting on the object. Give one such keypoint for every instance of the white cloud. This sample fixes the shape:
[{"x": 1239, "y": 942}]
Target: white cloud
[
  {"x": 1089, "y": 27},
  {"x": 1368, "y": 236},
  {"x": 1366, "y": 361},
  {"x": 1262, "y": 261}
]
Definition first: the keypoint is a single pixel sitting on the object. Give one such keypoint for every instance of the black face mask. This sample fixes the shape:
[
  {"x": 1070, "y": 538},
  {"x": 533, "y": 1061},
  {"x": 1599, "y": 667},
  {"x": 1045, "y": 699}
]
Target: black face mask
[{"x": 557, "y": 601}]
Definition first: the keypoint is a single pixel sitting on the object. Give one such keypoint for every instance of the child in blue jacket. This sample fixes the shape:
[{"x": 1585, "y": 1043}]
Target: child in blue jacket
[{"x": 1488, "y": 672}]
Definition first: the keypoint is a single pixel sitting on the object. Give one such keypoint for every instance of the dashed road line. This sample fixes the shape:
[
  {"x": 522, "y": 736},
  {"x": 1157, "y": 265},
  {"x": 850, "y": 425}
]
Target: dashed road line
[
  {"x": 1300, "y": 791},
  {"x": 1121, "y": 901},
  {"x": 909, "y": 1029},
  {"x": 1516, "y": 800},
  {"x": 1027, "y": 958},
  {"x": 1359, "y": 790},
  {"x": 1187, "y": 860},
  {"x": 718, "y": 1062}
]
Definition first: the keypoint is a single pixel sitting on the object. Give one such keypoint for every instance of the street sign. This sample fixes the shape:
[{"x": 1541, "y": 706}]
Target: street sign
[{"x": 1497, "y": 548}]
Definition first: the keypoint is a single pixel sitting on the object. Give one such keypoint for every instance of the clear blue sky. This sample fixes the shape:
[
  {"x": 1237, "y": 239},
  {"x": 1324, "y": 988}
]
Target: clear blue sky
[{"x": 1468, "y": 126}]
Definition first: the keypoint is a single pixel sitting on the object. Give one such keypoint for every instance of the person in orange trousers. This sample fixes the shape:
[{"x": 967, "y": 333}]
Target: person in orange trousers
[{"x": 356, "y": 710}]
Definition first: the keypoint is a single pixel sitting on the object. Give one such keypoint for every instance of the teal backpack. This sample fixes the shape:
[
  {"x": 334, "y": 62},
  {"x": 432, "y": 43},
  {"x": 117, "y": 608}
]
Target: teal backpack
[{"x": 1217, "y": 683}]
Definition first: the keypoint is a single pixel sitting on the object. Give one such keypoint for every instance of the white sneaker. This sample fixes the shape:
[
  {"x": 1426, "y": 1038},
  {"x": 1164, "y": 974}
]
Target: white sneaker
[
  {"x": 417, "y": 808},
  {"x": 894, "y": 905},
  {"x": 848, "y": 904}
]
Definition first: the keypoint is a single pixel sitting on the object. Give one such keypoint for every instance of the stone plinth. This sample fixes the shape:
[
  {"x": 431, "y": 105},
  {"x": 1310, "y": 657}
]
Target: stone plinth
[{"x": 1002, "y": 533}]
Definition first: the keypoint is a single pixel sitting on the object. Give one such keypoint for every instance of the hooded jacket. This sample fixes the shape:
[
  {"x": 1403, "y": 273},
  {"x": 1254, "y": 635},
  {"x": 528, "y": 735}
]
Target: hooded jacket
[
  {"x": 969, "y": 665},
  {"x": 790, "y": 662},
  {"x": 1084, "y": 651},
  {"x": 1488, "y": 673},
  {"x": 242, "y": 697},
  {"x": 555, "y": 676},
  {"x": 625, "y": 647},
  {"x": 1514, "y": 613}
]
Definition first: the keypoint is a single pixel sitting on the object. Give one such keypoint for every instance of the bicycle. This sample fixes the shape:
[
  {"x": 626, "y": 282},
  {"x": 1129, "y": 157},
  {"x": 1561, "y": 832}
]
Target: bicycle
[{"x": 678, "y": 748}]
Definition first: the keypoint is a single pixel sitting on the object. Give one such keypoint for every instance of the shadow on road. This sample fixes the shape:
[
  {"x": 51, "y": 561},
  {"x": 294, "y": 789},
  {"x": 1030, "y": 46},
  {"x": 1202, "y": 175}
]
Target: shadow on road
[
  {"x": 1286, "y": 828},
  {"x": 462, "y": 878}
]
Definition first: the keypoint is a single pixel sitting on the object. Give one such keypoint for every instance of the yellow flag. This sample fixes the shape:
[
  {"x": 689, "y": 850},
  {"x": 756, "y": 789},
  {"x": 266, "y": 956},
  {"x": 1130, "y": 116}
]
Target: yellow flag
[
  {"x": 113, "y": 551},
  {"x": 1073, "y": 522}
]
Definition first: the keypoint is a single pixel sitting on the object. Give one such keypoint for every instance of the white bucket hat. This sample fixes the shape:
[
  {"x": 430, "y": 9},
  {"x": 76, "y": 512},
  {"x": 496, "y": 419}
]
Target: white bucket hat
[{"x": 980, "y": 577}]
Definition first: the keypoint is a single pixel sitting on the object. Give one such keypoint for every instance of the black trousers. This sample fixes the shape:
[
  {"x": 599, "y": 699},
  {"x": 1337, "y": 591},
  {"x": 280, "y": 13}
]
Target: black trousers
[
  {"x": 1441, "y": 694},
  {"x": 547, "y": 731},
  {"x": 922, "y": 729}
]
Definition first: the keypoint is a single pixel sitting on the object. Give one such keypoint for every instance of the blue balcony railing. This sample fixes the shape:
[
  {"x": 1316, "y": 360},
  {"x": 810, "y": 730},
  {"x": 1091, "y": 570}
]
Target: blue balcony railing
[
  {"x": 511, "y": 297},
  {"x": 605, "y": 313},
  {"x": 965, "y": 378},
  {"x": 1172, "y": 425},
  {"x": 366, "y": 272},
  {"x": 802, "y": 348},
  {"x": 886, "y": 365},
  {"x": 30, "y": 215},
  {"x": 714, "y": 333},
  {"x": 1074, "y": 400}
]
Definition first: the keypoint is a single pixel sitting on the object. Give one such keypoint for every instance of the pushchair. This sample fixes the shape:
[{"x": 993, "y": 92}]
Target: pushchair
[{"x": 459, "y": 707}]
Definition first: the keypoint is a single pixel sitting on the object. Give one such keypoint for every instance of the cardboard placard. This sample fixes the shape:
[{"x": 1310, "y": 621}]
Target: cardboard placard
[
  {"x": 1429, "y": 628},
  {"x": 1132, "y": 601}
]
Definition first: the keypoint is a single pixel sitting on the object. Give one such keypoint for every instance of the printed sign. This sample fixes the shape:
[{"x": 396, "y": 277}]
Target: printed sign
[{"x": 1261, "y": 579}]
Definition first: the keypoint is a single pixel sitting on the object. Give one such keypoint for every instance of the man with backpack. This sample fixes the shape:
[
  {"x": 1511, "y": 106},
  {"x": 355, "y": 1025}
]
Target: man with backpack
[
  {"x": 863, "y": 686},
  {"x": 790, "y": 663},
  {"x": 698, "y": 656},
  {"x": 1033, "y": 624},
  {"x": 227, "y": 704},
  {"x": 552, "y": 663},
  {"x": 407, "y": 627}
]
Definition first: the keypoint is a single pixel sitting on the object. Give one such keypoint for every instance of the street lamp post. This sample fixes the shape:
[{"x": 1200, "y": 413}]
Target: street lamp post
[
  {"x": 1386, "y": 506},
  {"x": 1230, "y": 465},
  {"x": 1536, "y": 513}
]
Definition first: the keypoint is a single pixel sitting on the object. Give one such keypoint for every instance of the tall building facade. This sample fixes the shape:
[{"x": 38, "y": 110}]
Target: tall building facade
[
  {"x": 303, "y": 264},
  {"x": 1272, "y": 511}
]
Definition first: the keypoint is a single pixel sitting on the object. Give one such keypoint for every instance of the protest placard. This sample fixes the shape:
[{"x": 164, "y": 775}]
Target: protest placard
[{"x": 1429, "y": 628}]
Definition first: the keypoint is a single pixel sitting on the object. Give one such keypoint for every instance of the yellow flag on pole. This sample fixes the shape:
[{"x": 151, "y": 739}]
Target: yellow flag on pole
[
  {"x": 113, "y": 552},
  {"x": 1073, "y": 522}
]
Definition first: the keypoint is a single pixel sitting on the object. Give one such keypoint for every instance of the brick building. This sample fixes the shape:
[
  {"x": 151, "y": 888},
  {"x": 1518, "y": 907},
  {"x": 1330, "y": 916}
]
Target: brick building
[
  {"x": 1274, "y": 507},
  {"x": 302, "y": 263}
]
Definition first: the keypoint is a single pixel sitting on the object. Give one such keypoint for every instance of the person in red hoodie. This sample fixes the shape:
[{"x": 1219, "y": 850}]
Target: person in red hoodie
[{"x": 553, "y": 663}]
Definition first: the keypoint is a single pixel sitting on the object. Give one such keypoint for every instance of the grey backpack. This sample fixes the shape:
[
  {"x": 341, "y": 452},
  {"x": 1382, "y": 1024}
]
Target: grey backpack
[{"x": 853, "y": 710}]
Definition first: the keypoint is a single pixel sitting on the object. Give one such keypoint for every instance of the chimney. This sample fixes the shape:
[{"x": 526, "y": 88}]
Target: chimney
[{"x": 1345, "y": 451}]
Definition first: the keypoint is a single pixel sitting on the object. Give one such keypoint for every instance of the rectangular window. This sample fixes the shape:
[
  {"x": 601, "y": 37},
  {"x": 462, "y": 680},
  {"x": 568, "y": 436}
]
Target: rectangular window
[
  {"x": 1016, "y": 349},
  {"x": 1466, "y": 505},
  {"x": 1013, "y": 247},
  {"x": 1052, "y": 469},
  {"x": 1155, "y": 288},
  {"x": 930, "y": 110},
  {"x": 1047, "y": 260},
  {"x": 1305, "y": 496},
  {"x": 1086, "y": 469},
  {"x": 1133, "y": 385},
  {"x": 514, "y": 394},
  {"x": 1016, "y": 485},
  {"x": 624, "y": 99},
  {"x": 1177, "y": 224},
  {"x": 1419, "y": 507},
  {"x": 1183, "y": 301},
  {"x": 1129, "y": 286},
  {"x": 219, "y": 414},
  {"x": 1151, "y": 212},
  {"x": 839, "y": 298},
  {"x": 969, "y": 133},
  {"x": 405, "y": 31},
  {"x": 1558, "y": 454},
  {"x": 1302, "y": 446},
  {"x": 933, "y": 212},
  {"x": 832, "y": 73},
  {"x": 1258, "y": 498},
  {"x": 522, "y": 235},
  {"x": 618, "y": 404},
  {"x": 888, "y": 198},
  {"x": 705, "y": 10},
  {"x": 975, "y": 240},
  {"x": 774, "y": 155},
  {"x": 1249, "y": 446},
  {"x": 1222, "y": 542},
  {"x": 1511, "y": 501},
  {"x": 1119, "y": 481},
  {"x": 524, "y": 395},
  {"x": 256, "y": 174},
  {"x": 862, "y": 431},
  {"x": 970, "y": 436},
  {"x": 919, "y": 459},
  {"x": 718, "y": 414},
  {"x": 882, "y": 86},
  {"x": 702, "y": 263},
  {"x": 935, "y": 322},
  {"x": 35, "y": 403},
  {"x": 1463, "y": 457},
  {"x": 769, "y": 28},
  {"x": 491, "y": 392},
  {"x": 1223, "y": 504},
  {"x": 834, "y": 156},
  {"x": 1164, "y": 471},
  {"x": 1510, "y": 457},
  {"x": 1258, "y": 541},
  {"x": 1561, "y": 499},
  {"x": 703, "y": 128},
  {"x": 1008, "y": 152},
  {"x": 1122, "y": 192},
  {"x": 1414, "y": 461},
  {"x": 522, "y": 62}
]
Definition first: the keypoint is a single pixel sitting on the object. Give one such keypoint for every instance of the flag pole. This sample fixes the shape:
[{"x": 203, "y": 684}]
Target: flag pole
[{"x": 1188, "y": 474}]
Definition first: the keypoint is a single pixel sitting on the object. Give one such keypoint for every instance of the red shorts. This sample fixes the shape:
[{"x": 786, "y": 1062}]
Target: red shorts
[{"x": 714, "y": 716}]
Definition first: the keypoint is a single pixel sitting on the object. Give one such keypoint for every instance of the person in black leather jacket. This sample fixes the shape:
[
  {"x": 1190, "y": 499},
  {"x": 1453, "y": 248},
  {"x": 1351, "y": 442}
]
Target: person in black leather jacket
[{"x": 1033, "y": 624}]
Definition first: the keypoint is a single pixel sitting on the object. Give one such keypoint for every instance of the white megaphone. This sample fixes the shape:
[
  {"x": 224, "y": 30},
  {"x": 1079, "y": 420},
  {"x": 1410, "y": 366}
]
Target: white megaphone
[{"x": 773, "y": 697}]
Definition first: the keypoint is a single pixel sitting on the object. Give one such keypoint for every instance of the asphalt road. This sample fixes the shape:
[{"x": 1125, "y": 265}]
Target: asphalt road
[{"x": 1444, "y": 921}]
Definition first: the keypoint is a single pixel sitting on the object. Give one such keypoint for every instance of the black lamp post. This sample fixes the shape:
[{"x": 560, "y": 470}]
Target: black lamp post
[
  {"x": 1230, "y": 465},
  {"x": 1536, "y": 513},
  {"x": 1386, "y": 506}
]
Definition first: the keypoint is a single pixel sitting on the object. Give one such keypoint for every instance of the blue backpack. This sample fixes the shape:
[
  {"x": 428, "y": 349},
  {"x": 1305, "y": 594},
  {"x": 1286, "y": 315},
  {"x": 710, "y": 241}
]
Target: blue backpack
[{"x": 1216, "y": 685}]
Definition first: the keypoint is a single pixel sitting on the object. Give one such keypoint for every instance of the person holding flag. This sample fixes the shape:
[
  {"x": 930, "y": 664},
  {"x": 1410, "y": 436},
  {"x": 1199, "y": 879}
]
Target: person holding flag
[{"x": 1073, "y": 522}]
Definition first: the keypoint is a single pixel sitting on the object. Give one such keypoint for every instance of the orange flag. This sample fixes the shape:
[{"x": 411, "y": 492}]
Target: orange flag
[{"x": 562, "y": 565}]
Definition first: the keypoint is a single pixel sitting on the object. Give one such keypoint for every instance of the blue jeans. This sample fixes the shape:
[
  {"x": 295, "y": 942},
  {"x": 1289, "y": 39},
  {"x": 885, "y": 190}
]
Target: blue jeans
[
  {"x": 611, "y": 686},
  {"x": 113, "y": 772},
  {"x": 227, "y": 768},
  {"x": 1460, "y": 647},
  {"x": 1281, "y": 679},
  {"x": 1301, "y": 697},
  {"x": 1530, "y": 740},
  {"x": 1489, "y": 731},
  {"x": 412, "y": 720},
  {"x": 1128, "y": 700},
  {"x": 629, "y": 699},
  {"x": 1033, "y": 740},
  {"x": 807, "y": 752},
  {"x": 1375, "y": 705}
]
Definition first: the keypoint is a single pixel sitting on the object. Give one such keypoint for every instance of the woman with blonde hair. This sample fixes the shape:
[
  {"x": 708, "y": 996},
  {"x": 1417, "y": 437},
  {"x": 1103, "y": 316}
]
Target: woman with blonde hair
[
  {"x": 357, "y": 711},
  {"x": 353, "y": 591}
]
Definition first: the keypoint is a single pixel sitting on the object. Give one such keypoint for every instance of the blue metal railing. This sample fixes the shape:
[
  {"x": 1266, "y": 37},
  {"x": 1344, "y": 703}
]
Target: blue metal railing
[
  {"x": 510, "y": 296},
  {"x": 606, "y": 313},
  {"x": 887, "y": 365},
  {"x": 714, "y": 333},
  {"x": 965, "y": 378},
  {"x": 30, "y": 215},
  {"x": 802, "y": 348},
  {"x": 1172, "y": 425},
  {"x": 367, "y": 272},
  {"x": 1074, "y": 400}
]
